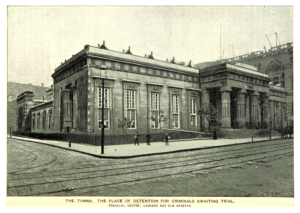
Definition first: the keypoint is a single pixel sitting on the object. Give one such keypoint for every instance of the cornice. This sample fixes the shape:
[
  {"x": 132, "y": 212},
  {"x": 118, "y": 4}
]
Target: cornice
[{"x": 143, "y": 64}]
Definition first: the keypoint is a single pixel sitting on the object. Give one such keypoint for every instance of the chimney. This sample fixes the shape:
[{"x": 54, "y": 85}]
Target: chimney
[
  {"x": 42, "y": 84},
  {"x": 123, "y": 50}
]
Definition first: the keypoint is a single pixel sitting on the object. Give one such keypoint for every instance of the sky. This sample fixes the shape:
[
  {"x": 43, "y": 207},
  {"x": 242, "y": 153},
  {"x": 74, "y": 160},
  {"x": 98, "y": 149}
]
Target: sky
[{"x": 40, "y": 38}]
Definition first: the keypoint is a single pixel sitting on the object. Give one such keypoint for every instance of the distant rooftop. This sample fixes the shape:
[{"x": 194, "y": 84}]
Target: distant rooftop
[
  {"x": 14, "y": 89},
  {"x": 284, "y": 47}
]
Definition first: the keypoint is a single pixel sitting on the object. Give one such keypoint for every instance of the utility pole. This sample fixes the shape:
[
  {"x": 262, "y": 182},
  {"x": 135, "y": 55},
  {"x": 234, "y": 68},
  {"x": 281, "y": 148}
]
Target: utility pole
[
  {"x": 281, "y": 120},
  {"x": 103, "y": 67},
  {"x": 220, "y": 40}
]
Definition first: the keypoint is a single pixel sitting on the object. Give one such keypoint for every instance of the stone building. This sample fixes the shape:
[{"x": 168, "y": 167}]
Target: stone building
[
  {"x": 277, "y": 63},
  {"x": 13, "y": 90},
  {"x": 27, "y": 106},
  {"x": 243, "y": 97},
  {"x": 140, "y": 93},
  {"x": 143, "y": 94}
]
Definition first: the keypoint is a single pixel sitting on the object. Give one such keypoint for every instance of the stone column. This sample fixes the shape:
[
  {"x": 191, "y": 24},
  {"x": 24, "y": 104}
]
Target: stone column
[
  {"x": 247, "y": 117},
  {"x": 205, "y": 100},
  {"x": 254, "y": 112},
  {"x": 241, "y": 108},
  {"x": 225, "y": 99},
  {"x": 271, "y": 113},
  {"x": 265, "y": 110}
]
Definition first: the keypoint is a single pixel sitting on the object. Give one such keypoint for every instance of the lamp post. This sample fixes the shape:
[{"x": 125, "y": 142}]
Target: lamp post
[{"x": 103, "y": 67}]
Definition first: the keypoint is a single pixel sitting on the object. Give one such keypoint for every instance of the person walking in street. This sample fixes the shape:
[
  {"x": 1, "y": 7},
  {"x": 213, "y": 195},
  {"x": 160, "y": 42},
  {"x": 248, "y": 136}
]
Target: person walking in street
[
  {"x": 167, "y": 139},
  {"x": 136, "y": 139},
  {"x": 148, "y": 136}
]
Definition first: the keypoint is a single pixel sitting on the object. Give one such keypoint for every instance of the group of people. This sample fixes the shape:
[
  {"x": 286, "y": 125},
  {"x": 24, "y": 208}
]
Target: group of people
[{"x": 148, "y": 136}]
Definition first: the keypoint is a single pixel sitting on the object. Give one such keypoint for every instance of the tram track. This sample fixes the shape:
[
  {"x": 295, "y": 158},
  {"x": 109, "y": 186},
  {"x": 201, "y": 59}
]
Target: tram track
[
  {"x": 54, "y": 158},
  {"x": 22, "y": 174},
  {"x": 144, "y": 170},
  {"x": 63, "y": 186},
  {"x": 34, "y": 158},
  {"x": 122, "y": 167},
  {"x": 64, "y": 190}
]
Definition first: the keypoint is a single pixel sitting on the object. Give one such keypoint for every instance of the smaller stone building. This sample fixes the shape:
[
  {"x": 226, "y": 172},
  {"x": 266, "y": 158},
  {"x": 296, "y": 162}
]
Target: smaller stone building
[
  {"x": 243, "y": 97},
  {"x": 42, "y": 119},
  {"x": 32, "y": 114},
  {"x": 14, "y": 89}
]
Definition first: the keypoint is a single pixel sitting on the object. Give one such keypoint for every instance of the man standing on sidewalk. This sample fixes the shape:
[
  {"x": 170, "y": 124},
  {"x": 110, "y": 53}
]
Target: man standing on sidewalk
[
  {"x": 148, "y": 136},
  {"x": 167, "y": 139},
  {"x": 136, "y": 139}
]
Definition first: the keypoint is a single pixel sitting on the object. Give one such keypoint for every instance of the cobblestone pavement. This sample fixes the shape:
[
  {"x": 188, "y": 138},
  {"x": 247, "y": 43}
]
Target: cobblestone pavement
[{"x": 254, "y": 169}]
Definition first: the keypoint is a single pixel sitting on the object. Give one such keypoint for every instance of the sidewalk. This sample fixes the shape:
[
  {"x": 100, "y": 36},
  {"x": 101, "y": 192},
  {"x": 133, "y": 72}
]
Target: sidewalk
[{"x": 129, "y": 150}]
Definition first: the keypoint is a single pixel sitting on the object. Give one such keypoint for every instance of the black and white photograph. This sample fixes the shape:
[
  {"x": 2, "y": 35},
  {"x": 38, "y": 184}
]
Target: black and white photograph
[{"x": 150, "y": 106}]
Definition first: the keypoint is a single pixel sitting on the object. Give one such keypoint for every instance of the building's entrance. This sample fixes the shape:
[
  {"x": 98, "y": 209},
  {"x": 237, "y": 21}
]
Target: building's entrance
[{"x": 233, "y": 108}]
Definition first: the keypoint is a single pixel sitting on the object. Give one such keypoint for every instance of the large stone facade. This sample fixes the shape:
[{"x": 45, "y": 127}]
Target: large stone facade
[{"x": 141, "y": 94}]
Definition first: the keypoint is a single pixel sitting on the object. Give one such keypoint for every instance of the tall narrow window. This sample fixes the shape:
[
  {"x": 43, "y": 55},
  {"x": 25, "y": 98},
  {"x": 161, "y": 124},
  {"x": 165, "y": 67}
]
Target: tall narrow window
[
  {"x": 265, "y": 112},
  {"x": 254, "y": 111},
  {"x": 50, "y": 118},
  {"x": 154, "y": 110},
  {"x": 33, "y": 121},
  {"x": 241, "y": 110},
  {"x": 106, "y": 107},
  {"x": 38, "y": 121},
  {"x": 175, "y": 111},
  {"x": 131, "y": 108},
  {"x": 193, "y": 106},
  {"x": 44, "y": 120}
]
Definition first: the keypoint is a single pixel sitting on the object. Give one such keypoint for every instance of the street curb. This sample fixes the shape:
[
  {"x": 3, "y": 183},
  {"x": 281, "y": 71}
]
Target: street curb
[{"x": 148, "y": 154}]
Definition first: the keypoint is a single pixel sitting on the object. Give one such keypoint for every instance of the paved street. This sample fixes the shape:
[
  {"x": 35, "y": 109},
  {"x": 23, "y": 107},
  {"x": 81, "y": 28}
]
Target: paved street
[{"x": 254, "y": 169}]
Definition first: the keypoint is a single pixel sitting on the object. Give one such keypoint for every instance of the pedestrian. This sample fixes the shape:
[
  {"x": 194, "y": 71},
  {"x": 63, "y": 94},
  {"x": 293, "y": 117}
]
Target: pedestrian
[
  {"x": 148, "y": 136},
  {"x": 136, "y": 139},
  {"x": 167, "y": 139},
  {"x": 215, "y": 134}
]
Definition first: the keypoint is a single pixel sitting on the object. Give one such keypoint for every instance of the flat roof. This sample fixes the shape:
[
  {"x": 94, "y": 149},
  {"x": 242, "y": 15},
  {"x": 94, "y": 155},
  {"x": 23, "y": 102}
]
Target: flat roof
[
  {"x": 247, "y": 70},
  {"x": 48, "y": 102},
  {"x": 128, "y": 57}
]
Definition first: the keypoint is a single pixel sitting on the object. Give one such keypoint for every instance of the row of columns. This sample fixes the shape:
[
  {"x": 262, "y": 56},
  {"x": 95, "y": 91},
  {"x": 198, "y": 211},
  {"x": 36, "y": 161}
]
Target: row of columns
[{"x": 248, "y": 109}]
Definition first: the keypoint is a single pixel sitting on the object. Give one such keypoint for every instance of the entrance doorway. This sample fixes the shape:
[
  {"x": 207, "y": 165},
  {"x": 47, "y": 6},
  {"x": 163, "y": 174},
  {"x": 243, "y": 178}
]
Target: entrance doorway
[{"x": 233, "y": 108}]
